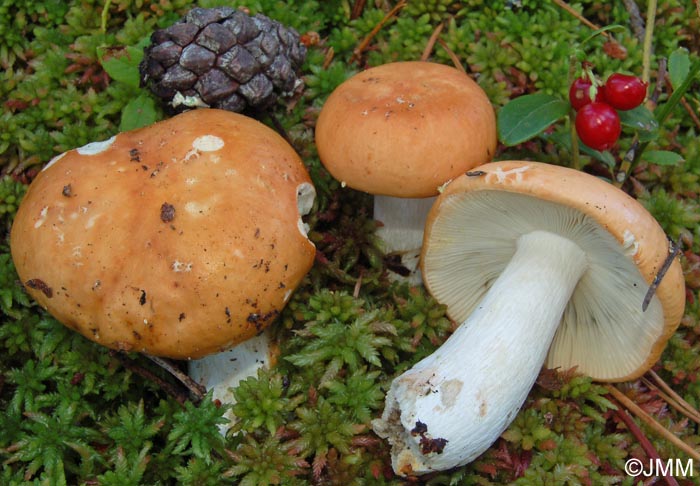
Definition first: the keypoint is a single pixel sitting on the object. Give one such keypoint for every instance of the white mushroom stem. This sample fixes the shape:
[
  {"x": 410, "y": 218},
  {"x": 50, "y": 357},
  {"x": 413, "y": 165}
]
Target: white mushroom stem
[
  {"x": 222, "y": 372},
  {"x": 403, "y": 220},
  {"x": 451, "y": 406}
]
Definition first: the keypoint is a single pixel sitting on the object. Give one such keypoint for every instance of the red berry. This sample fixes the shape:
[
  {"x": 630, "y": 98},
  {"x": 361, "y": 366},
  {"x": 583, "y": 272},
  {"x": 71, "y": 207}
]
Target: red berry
[
  {"x": 598, "y": 125},
  {"x": 580, "y": 93},
  {"x": 624, "y": 92}
]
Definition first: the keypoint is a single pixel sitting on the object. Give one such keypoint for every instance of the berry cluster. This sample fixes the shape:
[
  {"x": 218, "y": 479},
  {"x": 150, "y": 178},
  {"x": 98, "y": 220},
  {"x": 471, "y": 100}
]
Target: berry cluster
[{"x": 596, "y": 105}]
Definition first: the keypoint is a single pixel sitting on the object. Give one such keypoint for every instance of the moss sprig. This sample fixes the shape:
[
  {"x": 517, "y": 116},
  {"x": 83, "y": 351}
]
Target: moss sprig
[{"x": 263, "y": 402}]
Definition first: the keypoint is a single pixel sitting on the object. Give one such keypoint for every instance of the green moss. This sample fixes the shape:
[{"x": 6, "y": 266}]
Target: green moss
[{"x": 73, "y": 412}]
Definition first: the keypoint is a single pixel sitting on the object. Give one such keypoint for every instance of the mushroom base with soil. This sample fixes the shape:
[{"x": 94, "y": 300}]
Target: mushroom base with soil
[{"x": 451, "y": 406}]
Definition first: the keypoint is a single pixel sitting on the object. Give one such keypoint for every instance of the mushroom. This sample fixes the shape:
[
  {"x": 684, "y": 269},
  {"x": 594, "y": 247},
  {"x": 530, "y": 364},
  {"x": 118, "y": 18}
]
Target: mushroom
[
  {"x": 542, "y": 265},
  {"x": 399, "y": 131},
  {"x": 181, "y": 239}
]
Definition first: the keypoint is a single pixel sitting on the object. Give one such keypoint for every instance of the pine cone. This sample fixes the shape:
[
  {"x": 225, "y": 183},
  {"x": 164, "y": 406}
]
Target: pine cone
[{"x": 223, "y": 58}]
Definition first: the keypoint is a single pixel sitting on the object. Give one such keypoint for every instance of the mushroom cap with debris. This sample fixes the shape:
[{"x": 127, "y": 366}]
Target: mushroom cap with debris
[
  {"x": 180, "y": 239},
  {"x": 470, "y": 237}
]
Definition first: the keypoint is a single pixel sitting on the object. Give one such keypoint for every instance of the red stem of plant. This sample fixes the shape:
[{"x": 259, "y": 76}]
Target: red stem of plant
[{"x": 639, "y": 435}]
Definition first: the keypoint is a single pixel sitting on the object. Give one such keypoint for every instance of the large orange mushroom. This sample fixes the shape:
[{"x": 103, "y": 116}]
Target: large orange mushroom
[{"x": 181, "y": 239}]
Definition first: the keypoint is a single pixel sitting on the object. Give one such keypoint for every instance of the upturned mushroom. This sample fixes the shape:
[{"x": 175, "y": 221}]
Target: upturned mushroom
[
  {"x": 399, "y": 131},
  {"x": 542, "y": 265},
  {"x": 181, "y": 239}
]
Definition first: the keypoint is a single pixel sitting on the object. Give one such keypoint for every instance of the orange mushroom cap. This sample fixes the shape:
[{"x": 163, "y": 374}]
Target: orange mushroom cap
[
  {"x": 180, "y": 239},
  {"x": 403, "y": 129}
]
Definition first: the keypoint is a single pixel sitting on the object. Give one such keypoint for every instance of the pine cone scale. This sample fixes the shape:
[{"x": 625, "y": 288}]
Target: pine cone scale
[{"x": 197, "y": 59}]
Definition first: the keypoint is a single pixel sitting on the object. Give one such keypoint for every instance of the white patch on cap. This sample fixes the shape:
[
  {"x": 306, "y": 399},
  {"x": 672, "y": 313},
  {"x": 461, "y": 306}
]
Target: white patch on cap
[
  {"x": 95, "y": 148},
  {"x": 502, "y": 175},
  {"x": 208, "y": 143},
  {"x": 42, "y": 217},
  {"x": 630, "y": 243},
  {"x": 196, "y": 208},
  {"x": 59, "y": 234},
  {"x": 179, "y": 266},
  {"x": 54, "y": 160},
  {"x": 91, "y": 221},
  {"x": 306, "y": 194}
]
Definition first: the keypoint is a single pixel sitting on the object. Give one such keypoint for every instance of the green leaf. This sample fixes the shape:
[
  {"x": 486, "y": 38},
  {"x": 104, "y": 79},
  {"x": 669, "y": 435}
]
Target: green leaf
[
  {"x": 122, "y": 64},
  {"x": 662, "y": 157},
  {"x": 662, "y": 111},
  {"x": 527, "y": 116},
  {"x": 608, "y": 28},
  {"x": 678, "y": 66},
  {"x": 642, "y": 120},
  {"x": 564, "y": 139},
  {"x": 139, "y": 112}
]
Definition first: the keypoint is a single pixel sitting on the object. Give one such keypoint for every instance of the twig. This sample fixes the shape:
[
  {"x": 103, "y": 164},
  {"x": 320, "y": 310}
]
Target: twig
[
  {"x": 358, "y": 285},
  {"x": 580, "y": 17},
  {"x": 648, "y": 37},
  {"x": 197, "y": 390},
  {"x": 661, "y": 74},
  {"x": 431, "y": 42},
  {"x": 357, "y": 9},
  {"x": 651, "y": 423},
  {"x": 684, "y": 407},
  {"x": 169, "y": 388},
  {"x": 575, "y": 155},
  {"x": 643, "y": 440},
  {"x": 660, "y": 274},
  {"x": 328, "y": 58},
  {"x": 684, "y": 103},
  {"x": 636, "y": 20},
  {"x": 669, "y": 400},
  {"x": 628, "y": 161},
  {"x": 279, "y": 128},
  {"x": 357, "y": 52},
  {"x": 453, "y": 57},
  {"x": 105, "y": 16}
]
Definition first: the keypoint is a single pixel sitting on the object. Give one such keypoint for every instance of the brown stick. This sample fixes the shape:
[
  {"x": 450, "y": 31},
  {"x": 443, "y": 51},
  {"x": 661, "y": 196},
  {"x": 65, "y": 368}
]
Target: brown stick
[
  {"x": 357, "y": 9},
  {"x": 636, "y": 20},
  {"x": 580, "y": 17},
  {"x": 687, "y": 409},
  {"x": 197, "y": 390},
  {"x": 651, "y": 423},
  {"x": 357, "y": 52},
  {"x": 684, "y": 103},
  {"x": 643, "y": 440},
  {"x": 169, "y": 388},
  {"x": 660, "y": 275},
  {"x": 431, "y": 42},
  {"x": 453, "y": 57},
  {"x": 669, "y": 400}
]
